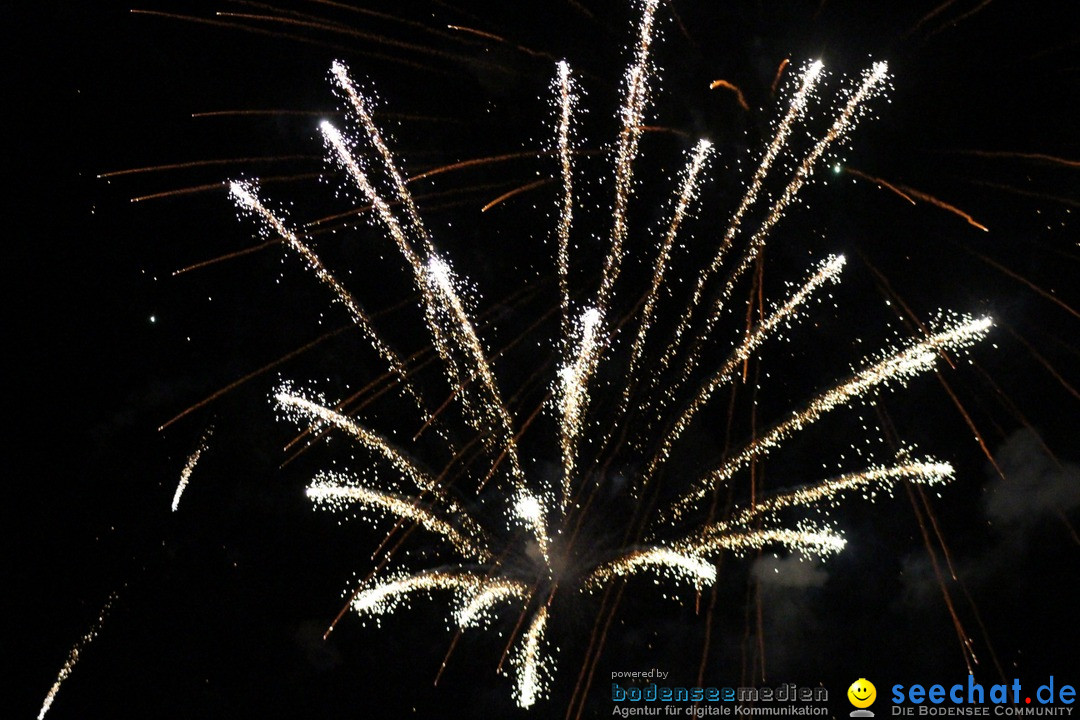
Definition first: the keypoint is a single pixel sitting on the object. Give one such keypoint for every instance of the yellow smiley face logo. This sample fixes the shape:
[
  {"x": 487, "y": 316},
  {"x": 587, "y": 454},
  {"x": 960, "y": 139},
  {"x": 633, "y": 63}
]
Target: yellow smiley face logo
[{"x": 862, "y": 693}]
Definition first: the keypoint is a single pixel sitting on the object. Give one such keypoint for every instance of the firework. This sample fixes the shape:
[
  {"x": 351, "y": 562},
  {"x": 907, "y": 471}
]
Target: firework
[
  {"x": 73, "y": 657},
  {"x": 189, "y": 468},
  {"x": 519, "y": 556}
]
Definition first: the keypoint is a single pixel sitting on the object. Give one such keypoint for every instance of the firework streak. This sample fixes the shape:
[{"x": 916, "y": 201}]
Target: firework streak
[
  {"x": 515, "y": 551},
  {"x": 189, "y": 468},
  {"x": 73, "y": 657}
]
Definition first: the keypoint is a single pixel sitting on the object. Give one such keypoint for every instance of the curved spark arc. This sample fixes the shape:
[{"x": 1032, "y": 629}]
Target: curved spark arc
[
  {"x": 807, "y": 538},
  {"x": 335, "y": 491},
  {"x": 548, "y": 561},
  {"x": 388, "y": 595},
  {"x": 679, "y": 565},
  {"x": 926, "y": 472},
  {"x": 492, "y": 592},
  {"x": 373, "y": 441},
  {"x": 900, "y": 367}
]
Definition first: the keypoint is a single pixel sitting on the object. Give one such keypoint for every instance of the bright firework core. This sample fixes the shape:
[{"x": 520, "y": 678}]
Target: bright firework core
[{"x": 512, "y": 561}]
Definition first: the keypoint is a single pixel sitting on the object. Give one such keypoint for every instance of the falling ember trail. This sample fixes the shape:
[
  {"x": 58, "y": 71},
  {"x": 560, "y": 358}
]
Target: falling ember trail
[
  {"x": 880, "y": 183},
  {"x": 779, "y": 74},
  {"x": 189, "y": 468},
  {"x": 73, "y": 656},
  {"x": 515, "y": 192},
  {"x": 739, "y": 97},
  {"x": 1037, "y": 157},
  {"x": 936, "y": 202}
]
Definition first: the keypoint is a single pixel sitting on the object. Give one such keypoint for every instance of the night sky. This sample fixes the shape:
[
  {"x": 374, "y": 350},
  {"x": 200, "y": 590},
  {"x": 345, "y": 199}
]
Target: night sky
[{"x": 221, "y": 606}]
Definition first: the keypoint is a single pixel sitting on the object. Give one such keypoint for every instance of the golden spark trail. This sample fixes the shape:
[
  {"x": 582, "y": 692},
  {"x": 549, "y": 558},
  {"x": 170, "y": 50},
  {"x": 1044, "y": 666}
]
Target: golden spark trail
[
  {"x": 632, "y": 114},
  {"x": 675, "y": 564},
  {"x": 277, "y": 111},
  {"x": 291, "y": 37},
  {"x": 795, "y": 110},
  {"x": 959, "y": 19},
  {"x": 502, "y": 40},
  {"x": 360, "y": 210},
  {"x": 216, "y": 186},
  {"x": 930, "y": 16},
  {"x": 1027, "y": 193},
  {"x": 840, "y": 127},
  {"x": 441, "y": 277},
  {"x": 896, "y": 367},
  {"x": 573, "y": 395},
  {"x": 347, "y": 32},
  {"x": 227, "y": 256},
  {"x": 829, "y": 271},
  {"x": 686, "y": 195},
  {"x": 808, "y": 539},
  {"x": 189, "y": 467},
  {"x": 494, "y": 590},
  {"x": 423, "y": 278},
  {"x": 244, "y": 195},
  {"x": 255, "y": 373},
  {"x": 360, "y": 106},
  {"x": 335, "y": 491},
  {"x": 566, "y": 212},
  {"x": 301, "y": 407},
  {"x": 386, "y": 16},
  {"x": 927, "y": 472},
  {"x": 533, "y": 666},
  {"x": 1020, "y": 278},
  {"x": 386, "y": 596},
  {"x": 336, "y": 141},
  {"x": 664, "y": 129},
  {"x": 437, "y": 293},
  {"x": 73, "y": 657},
  {"x": 1043, "y": 361}
]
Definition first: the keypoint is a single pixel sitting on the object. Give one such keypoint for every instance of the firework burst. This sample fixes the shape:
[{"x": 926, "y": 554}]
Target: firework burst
[{"x": 519, "y": 548}]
